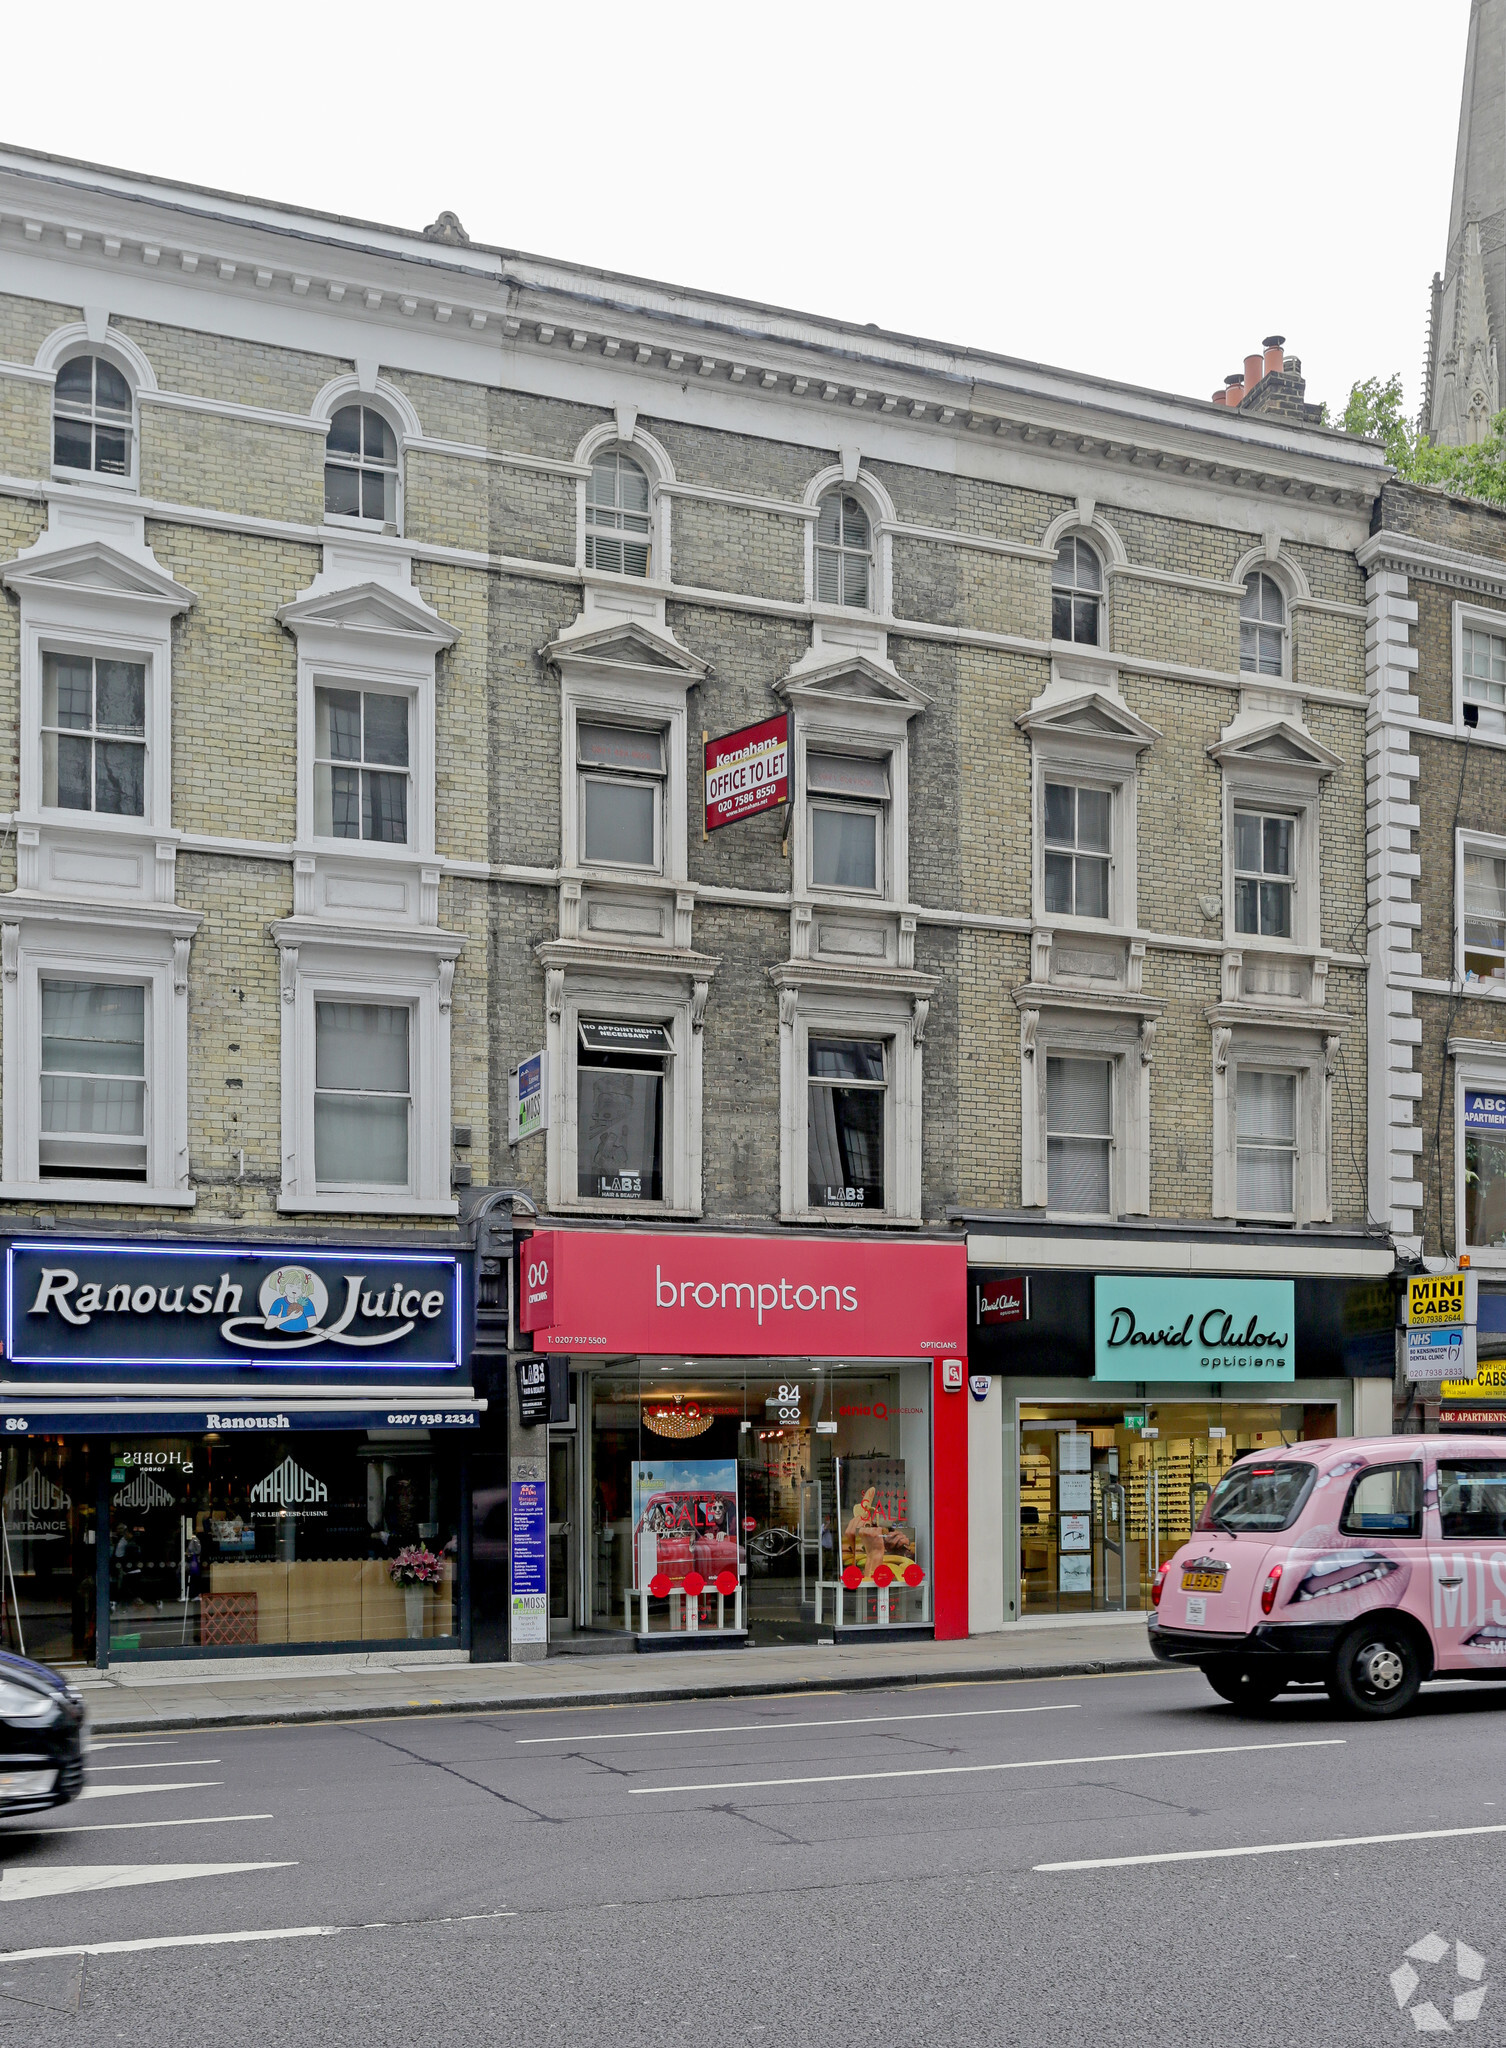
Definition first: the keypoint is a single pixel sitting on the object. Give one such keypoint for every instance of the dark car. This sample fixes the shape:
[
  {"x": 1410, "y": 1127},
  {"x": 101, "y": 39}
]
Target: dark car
[{"x": 41, "y": 1737}]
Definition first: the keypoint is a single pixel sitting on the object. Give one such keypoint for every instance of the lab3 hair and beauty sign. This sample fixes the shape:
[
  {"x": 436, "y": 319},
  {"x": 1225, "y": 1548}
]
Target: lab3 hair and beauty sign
[
  {"x": 1151, "y": 1327},
  {"x": 82, "y": 1306}
]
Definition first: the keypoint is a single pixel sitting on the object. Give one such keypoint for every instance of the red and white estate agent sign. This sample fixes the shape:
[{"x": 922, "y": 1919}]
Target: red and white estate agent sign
[{"x": 747, "y": 772}]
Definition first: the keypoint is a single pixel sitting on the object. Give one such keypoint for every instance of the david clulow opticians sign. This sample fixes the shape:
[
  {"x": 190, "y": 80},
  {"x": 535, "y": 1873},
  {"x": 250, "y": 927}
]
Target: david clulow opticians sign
[
  {"x": 1165, "y": 1328},
  {"x": 82, "y": 1306}
]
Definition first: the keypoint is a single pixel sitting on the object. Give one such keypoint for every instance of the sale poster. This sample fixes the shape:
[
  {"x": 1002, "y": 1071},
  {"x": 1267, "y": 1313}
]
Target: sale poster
[
  {"x": 684, "y": 1519},
  {"x": 873, "y": 1498}
]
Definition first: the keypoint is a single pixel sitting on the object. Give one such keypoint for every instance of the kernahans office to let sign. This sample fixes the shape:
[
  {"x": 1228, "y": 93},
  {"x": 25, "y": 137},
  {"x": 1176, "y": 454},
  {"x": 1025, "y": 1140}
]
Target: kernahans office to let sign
[{"x": 1169, "y": 1328}]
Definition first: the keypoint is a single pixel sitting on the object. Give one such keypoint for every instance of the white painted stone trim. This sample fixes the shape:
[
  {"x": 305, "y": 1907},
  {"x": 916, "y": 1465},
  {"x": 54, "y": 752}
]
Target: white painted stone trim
[{"x": 1391, "y": 816}]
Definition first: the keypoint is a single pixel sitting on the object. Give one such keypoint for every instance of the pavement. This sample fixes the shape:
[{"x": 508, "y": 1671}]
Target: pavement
[
  {"x": 1119, "y": 1857},
  {"x": 231, "y": 1692}
]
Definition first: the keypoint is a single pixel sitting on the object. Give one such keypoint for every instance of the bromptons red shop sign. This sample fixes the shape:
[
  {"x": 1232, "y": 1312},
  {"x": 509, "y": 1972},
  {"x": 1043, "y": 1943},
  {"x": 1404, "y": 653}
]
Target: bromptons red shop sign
[{"x": 742, "y": 1297}]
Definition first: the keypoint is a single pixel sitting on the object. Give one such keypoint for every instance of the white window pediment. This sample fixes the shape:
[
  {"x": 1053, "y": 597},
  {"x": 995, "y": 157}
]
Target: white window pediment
[
  {"x": 623, "y": 646},
  {"x": 370, "y": 608},
  {"x": 1276, "y": 743},
  {"x": 95, "y": 568},
  {"x": 1065, "y": 713}
]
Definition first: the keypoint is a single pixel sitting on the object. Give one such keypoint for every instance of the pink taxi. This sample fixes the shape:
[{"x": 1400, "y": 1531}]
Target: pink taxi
[{"x": 1368, "y": 1564}]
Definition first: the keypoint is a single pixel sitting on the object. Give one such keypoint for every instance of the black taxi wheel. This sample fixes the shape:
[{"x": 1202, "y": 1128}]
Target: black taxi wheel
[
  {"x": 1244, "y": 1683},
  {"x": 1376, "y": 1670}
]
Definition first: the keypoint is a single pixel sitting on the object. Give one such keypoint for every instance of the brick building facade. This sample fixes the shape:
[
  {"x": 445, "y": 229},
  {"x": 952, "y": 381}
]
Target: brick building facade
[{"x": 370, "y": 597}]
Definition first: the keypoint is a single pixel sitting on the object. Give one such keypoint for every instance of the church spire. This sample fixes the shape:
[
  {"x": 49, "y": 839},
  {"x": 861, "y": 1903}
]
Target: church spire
[{"x": 1462, "y": 385}]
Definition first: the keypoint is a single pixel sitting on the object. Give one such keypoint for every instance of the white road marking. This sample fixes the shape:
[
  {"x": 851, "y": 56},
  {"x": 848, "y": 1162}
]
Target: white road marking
[
  {"x": 152, "y": 1742},
  {"x": 1038, "y": 1763},
  {"x": 120, "y": 1948},
  {"x": 51, "y": 1880},
  {"x": 120, "y": 1827},
  {"x": 167, "y": 1763},
  {"x": 1274, "y": 1848},
  {"x": 125, "y": 1791},
  {"x": 758, "y": 1727}
]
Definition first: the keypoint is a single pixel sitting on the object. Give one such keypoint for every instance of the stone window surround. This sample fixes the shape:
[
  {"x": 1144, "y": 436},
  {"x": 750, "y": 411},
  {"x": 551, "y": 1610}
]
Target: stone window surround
[
  {"x": 833, "y": 1006},
  {"x": 1467, "y": 841},
  {"x": 366, "y": 388},
  {"x": 1478, "y": 1063},
  {"x": 355, "y": 632},
  {"x": 824, "y": 720},
  {"x": 623, "y": 433},
  {"x": 1102, "y": 1030},
  {"x": 1086, "y": 522},
  {"x": 1096, "y": 759},
  {"x": 647, "y": 698},
  {"x": 414, "y": 971},
  {"x": 1311, "y": 1056},
  {"x": 114, "y": 942},
  {"x": 1476, "y": 618},
  {"x": 849, "y": 477},
  {"x": 630, "y": 991},
  {"x": 1289, "y": 786},
  {"x": 93, "y": 336},
  {"x": 1268, "y": 559}
]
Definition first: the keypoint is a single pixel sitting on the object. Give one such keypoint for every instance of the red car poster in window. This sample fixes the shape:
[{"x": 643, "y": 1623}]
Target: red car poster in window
[
  {"x": 684, "y": 1519},
  {"x": 747, "y": 772}
]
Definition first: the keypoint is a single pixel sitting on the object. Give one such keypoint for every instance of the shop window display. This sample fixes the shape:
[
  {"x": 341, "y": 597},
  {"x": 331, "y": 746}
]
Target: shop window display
[
  {"x": 1105, "y": 1495},
  {"x": 808, "y": 1487},
  {"x": 235, "y": 1543}
]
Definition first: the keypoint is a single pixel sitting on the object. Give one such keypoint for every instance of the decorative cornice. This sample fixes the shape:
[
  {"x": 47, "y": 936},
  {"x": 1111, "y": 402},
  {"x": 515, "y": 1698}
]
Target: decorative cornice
[{"x": 1055, "y": 995}]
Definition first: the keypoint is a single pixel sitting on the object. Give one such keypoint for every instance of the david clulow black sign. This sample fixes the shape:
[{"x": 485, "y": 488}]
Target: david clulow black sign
[{"x": 82, "y": 1306}]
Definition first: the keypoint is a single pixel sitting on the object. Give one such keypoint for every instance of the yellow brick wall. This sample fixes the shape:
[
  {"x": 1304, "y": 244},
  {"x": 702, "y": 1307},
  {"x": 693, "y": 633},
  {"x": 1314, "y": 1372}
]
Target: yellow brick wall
[
  {"x": 445, "y": 501},
  {"x": 26, "y": 323},
  {"x": 235, "y": 680},
  {"x": 235, "y": 372},
  {"x": 231, "y": 465},
  {"x": 1162, "y": 622}
]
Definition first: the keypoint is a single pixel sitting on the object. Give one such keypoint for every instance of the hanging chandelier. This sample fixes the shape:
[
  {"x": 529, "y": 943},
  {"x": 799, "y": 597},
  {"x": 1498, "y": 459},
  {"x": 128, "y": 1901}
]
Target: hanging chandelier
[{"x": 683, "y": 1419}]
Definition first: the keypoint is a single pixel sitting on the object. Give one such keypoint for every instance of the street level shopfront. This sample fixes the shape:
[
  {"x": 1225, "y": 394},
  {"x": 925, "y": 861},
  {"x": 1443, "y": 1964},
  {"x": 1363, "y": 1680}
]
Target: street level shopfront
[
  {"x": 232, "y": 1449},
  {"x": 1123, "y": 1396},
  {"x": 769, "y": 1435}
]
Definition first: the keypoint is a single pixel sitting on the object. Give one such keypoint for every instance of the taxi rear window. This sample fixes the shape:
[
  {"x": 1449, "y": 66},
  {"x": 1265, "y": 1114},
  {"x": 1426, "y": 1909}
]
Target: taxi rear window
[{"x": 1259, "y": 1494}]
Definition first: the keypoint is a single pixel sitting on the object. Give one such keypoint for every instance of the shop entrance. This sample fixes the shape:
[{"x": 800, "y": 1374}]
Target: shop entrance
[
  {"x": 564, "y": 1548},
  {"x": 48, "y": 1487},
  {"x": 1107, "y": 1493},
  {"x": 805, "y": 1486}
]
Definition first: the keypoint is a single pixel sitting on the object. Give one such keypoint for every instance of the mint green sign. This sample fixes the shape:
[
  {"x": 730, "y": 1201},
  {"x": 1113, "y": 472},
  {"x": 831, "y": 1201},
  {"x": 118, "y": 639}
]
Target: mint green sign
[{"x": 1173, "y": 1328}]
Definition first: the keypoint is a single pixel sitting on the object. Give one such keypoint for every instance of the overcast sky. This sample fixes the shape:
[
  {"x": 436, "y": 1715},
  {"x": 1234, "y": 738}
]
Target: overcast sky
[{"x": 1139, "y": 190}]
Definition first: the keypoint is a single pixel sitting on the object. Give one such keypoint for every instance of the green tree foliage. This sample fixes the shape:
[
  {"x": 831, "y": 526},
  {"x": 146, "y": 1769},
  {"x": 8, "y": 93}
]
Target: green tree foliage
[{"x": 1375, "y": 411}]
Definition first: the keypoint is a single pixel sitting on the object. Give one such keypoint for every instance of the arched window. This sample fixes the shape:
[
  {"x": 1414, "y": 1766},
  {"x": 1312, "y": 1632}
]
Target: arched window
[
  {"x": 361, "y": 466},
  {"x": 1076, "y": 592},
  {"x": 844, "y": 552},
  {"x": 1262, "y": 626},
  {"x": 617, "y": 516},
  {"x": 92, "y": 417}
]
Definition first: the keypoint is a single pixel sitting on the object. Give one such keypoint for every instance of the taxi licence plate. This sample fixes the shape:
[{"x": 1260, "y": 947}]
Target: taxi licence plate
[{"x": 1203, "y": 1582}]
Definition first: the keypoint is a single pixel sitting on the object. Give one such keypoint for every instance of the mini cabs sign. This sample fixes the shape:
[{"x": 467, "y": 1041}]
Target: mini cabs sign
[{"x": 1437, "y": 1301}]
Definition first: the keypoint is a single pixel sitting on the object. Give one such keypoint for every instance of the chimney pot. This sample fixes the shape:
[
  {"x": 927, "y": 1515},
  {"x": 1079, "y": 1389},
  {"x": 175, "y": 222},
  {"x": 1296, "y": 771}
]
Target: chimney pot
[
  {"x": 1234, "y": 389},
  {"x": 1274, "y": 355},
  {"x": 1220, "y": 395},
  {"x": 1294, "y": 366},
  {"x": 1254, "y": 371}
]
